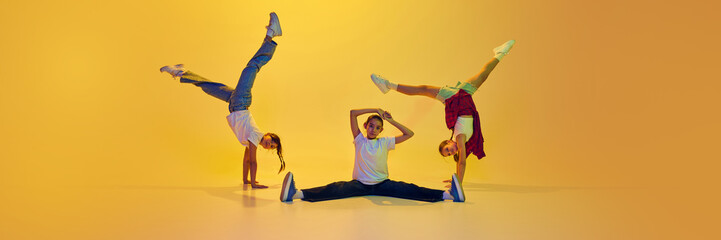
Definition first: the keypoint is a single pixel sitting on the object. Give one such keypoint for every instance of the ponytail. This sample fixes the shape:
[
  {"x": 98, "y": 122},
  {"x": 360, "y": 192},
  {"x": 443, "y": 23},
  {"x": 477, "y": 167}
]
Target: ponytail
[{"x": 278, "y": 150}]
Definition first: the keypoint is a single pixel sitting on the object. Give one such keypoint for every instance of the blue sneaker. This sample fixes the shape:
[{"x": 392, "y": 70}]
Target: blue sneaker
[
  {"x": 286, "y": 194},
  {"x": 457, "y": 190}
]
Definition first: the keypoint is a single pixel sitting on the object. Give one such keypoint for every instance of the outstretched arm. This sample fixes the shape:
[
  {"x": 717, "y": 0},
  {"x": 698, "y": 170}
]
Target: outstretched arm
[
  {"x": 407, "y": 133},
  {"x": 461, "y": 164},
  {"x": 246, "y": 167},
  {"x": 354, "y": 118},
  {"x": 250, "y": 164}
]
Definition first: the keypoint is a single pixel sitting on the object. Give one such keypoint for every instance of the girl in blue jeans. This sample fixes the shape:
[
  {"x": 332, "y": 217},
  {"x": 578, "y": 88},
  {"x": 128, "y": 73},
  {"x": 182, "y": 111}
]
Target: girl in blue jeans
[
  {"x": 239, "y": 100},
  {"x": 370, "y": 173}
]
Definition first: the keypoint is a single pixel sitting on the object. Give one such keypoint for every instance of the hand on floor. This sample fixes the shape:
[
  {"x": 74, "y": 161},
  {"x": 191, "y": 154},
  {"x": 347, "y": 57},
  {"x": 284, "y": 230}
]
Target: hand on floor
[{"x": 258, "y": 186}]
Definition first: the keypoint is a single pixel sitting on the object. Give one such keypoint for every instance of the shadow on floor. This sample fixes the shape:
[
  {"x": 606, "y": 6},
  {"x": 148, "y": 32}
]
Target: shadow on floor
[
  {"x": 243, "y": 194},
  {"x": 246, "y": 196},
  {"x": 488, "y": 187},
  {"x": 391, "y": 201}
]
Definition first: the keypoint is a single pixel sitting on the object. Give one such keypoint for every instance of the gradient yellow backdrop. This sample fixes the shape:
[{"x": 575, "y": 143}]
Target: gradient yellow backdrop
[{"x": 611, "y": 94}]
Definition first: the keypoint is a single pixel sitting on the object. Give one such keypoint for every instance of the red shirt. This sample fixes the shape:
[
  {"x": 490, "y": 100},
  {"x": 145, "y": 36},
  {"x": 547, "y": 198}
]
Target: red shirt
[{"x": 459, "y": 105}]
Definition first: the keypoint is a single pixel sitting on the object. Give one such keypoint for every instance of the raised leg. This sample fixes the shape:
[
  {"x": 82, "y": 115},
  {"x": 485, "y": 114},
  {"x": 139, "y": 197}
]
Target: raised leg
[
  {"x": 217, "y": 90},
  {"x": 499, "y": 52},
  {"x": 481, "y": 77},
  {"x": 241, "y": 98},
  {"x": 421, "y": 90},
  {"x": 384, "y": 85}
]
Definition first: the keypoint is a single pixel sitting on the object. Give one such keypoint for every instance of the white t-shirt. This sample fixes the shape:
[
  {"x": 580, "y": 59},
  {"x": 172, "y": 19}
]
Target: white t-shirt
[
  {"x": 244, "y": 127},
  {"x": 464, "y": 125},
  {"x": 371, "y": 158}
]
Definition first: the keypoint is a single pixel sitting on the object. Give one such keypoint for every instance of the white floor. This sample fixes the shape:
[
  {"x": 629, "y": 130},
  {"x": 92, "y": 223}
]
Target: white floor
[{"x": 228, "y": 211}]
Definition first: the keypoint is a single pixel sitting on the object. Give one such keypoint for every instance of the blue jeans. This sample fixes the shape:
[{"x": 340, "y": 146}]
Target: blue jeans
[
  {"x": 388, "y": 188},
  {"x": 239, "y": 98}
]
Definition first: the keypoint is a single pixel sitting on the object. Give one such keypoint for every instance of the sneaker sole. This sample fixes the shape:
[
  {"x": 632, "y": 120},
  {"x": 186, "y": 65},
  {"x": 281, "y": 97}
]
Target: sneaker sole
[
  {"x": 176, "y": 67},
  {"x": 286, "y": 186},
  {"x": 459, "y": 189},
  {"x": 381, "y": 86},
  {"x": 276, "y": 22},
  {"x": 510, "y": 46}
]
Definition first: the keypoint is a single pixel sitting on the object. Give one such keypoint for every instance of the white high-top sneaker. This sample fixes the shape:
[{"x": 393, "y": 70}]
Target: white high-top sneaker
[{"x": 274, "y": 26}]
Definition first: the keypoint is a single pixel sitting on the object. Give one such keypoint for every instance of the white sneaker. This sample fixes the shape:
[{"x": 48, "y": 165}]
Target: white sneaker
[
  {"x": 274, "y": 26},
  {"x": 381, "y": 83},
  {"x": 505, "y": 48},
  {"x": 176, "y": 70}
]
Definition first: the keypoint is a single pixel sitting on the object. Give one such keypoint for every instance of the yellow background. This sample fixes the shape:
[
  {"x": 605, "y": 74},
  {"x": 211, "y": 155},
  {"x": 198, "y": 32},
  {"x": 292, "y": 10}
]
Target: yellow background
[{"x": 615, "y": 97}]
